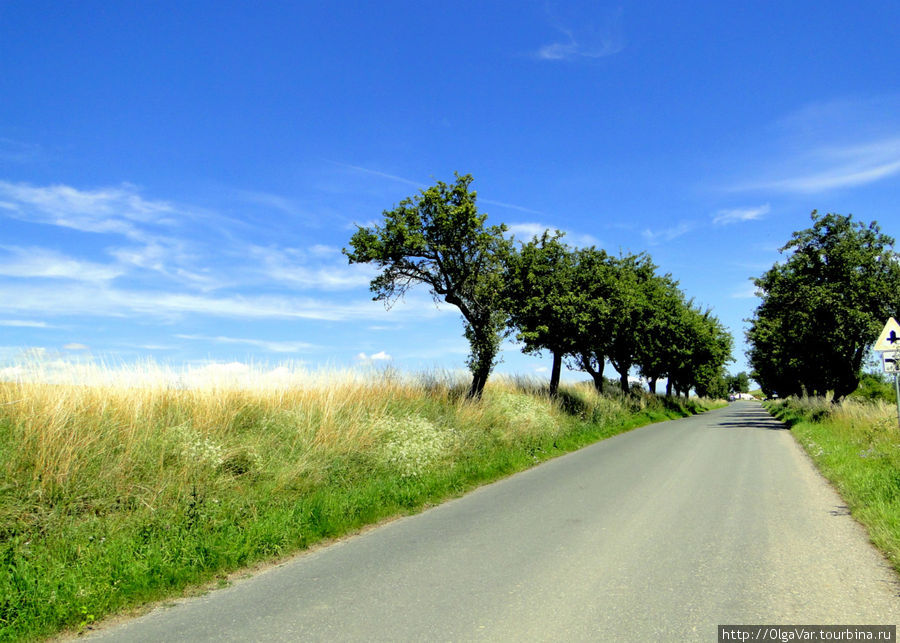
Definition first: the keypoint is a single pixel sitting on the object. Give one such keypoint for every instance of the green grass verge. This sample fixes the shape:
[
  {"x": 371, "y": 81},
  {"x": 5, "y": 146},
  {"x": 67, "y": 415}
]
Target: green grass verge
[
  {"x": 856, "y": 446},
  {"x": 136, "y": 519}
]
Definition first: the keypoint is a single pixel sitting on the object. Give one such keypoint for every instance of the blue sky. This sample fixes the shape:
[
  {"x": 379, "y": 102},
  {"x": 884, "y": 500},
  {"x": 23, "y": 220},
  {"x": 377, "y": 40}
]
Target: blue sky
[{"x": 177, "y": 178}]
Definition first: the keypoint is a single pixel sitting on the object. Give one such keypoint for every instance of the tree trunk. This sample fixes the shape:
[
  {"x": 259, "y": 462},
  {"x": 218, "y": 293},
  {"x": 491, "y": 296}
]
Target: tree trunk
[
  {"x": 554, "y": 374},
  {"x": 481, "y": 366},
  {"x": 651, "y": 385},
  {"x": 479, "y": 379},
  {"x": 623, "y": 381},
  {"x": 597, "y": 376},
  {"x": 669, "y": 387}
]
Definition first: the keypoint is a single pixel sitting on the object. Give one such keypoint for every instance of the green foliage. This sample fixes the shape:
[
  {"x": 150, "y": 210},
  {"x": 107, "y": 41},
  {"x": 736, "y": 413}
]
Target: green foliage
[
  {"x": 660, "y": 350},
  {"x": 631, "y": 306},
  {"x": 701, "y": 347},
  {"x": 875, "y": 386},
  {"x": 439, "y": 238},
  {"x": 595, "y": 279},
  {"x": 739, "y": 383},
  {"x": 823, "y": 308},
  {"x": 545, "y": 307}
]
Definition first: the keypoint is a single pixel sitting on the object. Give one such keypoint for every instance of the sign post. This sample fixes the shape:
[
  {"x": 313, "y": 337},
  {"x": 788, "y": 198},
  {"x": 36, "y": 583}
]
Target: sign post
[{"x": 889, "y": 345}]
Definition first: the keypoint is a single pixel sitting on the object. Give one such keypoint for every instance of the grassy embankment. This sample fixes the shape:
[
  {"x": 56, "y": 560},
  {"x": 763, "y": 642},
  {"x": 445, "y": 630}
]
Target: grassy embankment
[
  {"x": 856, "y": 445},
  {"x": 112, "y": 496}
]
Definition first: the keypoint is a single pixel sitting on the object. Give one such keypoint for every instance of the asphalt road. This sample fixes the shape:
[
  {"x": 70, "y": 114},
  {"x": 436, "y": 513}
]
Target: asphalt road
[{"x": 659, "y": 534}]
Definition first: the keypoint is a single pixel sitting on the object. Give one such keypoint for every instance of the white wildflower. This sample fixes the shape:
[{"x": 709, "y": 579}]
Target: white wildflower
[{"x": 411, "y": 444}]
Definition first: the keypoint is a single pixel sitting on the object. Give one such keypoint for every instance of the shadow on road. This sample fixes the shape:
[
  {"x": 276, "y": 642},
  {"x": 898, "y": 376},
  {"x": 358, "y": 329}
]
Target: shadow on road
[{"x": 754, "y": 417}]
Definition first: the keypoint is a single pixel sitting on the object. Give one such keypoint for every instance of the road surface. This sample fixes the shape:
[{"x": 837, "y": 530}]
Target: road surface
[{"x": 660, "y": 534}]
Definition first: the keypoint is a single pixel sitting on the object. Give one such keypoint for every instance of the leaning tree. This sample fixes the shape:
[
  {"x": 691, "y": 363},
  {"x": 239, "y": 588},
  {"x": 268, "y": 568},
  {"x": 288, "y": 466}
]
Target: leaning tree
[{"x": 438, "y": 238}]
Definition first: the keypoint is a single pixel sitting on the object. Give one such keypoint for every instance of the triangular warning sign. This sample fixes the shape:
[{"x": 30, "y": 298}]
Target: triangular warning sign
[{"x": 889, "y": 340}]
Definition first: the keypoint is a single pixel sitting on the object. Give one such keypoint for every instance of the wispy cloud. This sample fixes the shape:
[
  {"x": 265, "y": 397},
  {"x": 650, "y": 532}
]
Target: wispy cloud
[
  {"x": 112, "y": 210},
  {"x": 46, "y": 264},
  {"x": 267, "y": 345},
  {"x": 330, "y": 270},
  {"x": 420, "y": 185},
  {"x": 20, "y": 323},
  {"x": 861, "y": 172},
  {"x": 510, "y": 206},
  {"x": 833, "y": 145},
  {"x": 88, "y": 301},
  {"x": 384, "y": 175},
  {"x": 173, "y": 260},
  {"x": 528, "y": 231},
  {"x": 592, "y": 39},
  {"x": 655, "y": 237},
  {"x": 747, "y": 292},
  {"x": 572, "y": 49},
  {"x": 725, "y": 217}
]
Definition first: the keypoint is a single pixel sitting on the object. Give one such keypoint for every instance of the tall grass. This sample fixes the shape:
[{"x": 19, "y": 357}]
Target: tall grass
[
  {"x": 121, "y": 487},
  {"x": 856, "y": 445}
]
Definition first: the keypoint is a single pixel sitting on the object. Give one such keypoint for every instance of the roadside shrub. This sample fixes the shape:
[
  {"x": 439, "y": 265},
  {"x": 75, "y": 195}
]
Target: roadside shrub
[{"x": 874, "y": 386}]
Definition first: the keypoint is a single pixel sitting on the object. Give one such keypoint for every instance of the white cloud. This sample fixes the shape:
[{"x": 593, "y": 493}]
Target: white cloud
[
  {"x": 833, "y": 145},
  {"x": 112, "y": 210},
  {"x": 172, "y": 260},
  {"x": 589, "y": 40},
  {"x": 527, "y": 231},
  {"x": 291, "y": 267},
  {"x": 655, "y": 237},
  {"x": 571, "y": 49},
  {"x": 725, "y": 217},
  {"x": 102, "y": 301},
  {"x": 321, "y": 250},
  {"x": 841, "y": 177},
  {"x": 18, "y": 323},
  {"x": 747, "y": 292},
  {"x": 510, "y": 206},
  {"x": 74, "y": 346},
  {"x": 380, "y": 356},
  {"x": 42, "y": 263},
  {"x": 268, "y": 345}
]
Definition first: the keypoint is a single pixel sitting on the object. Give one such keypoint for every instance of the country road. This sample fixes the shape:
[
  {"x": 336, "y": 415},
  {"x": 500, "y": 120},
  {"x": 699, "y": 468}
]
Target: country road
[{"x": 659, "y": 534}]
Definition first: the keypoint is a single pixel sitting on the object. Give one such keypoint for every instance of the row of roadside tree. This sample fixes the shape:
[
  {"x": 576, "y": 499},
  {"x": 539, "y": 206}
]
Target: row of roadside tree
[
  {"x": 822, "y": 308},
  {"x": 582, "y": 305}
]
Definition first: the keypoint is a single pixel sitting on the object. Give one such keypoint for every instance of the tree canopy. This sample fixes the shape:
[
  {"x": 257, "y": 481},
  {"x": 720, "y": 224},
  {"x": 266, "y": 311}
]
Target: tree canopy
[
  {"x": 823, "y": 307},
  {"x": 545, "y": 307},
  {"x": 439, "y": 238}
]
